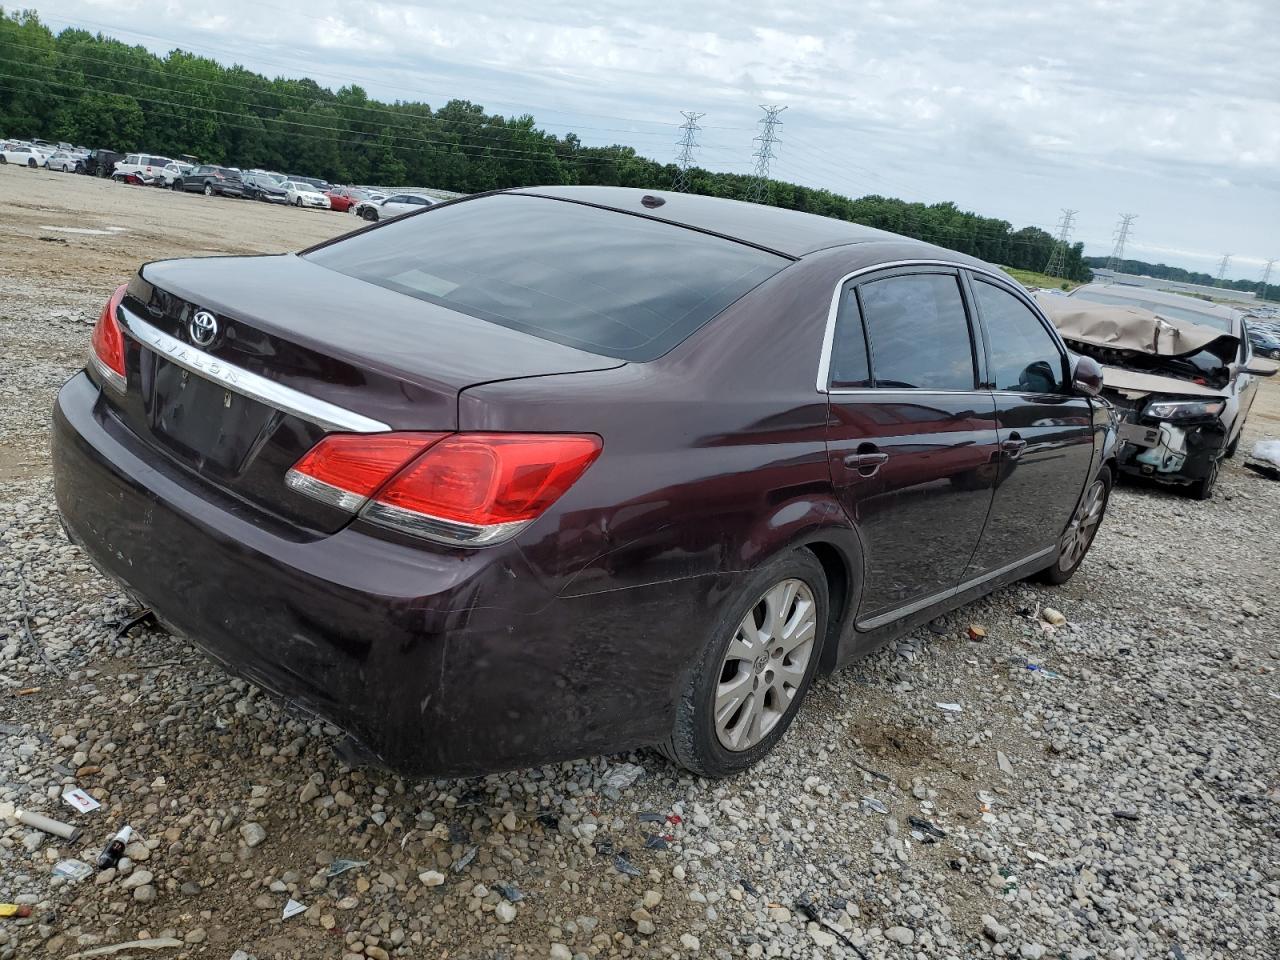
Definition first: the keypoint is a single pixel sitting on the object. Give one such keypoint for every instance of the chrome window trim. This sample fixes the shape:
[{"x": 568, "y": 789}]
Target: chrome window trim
[
  {"x": 245, "y": 382},
  {"x": 823, "y": 381}
]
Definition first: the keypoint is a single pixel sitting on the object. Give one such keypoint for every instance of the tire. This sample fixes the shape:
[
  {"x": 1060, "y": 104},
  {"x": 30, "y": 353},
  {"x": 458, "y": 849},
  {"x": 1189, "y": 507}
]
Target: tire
[
  {"x": 369, "y": 214},
  {"x": 208, "y": 190},
  {"x": 3, "y": 159},
  {"x": 1233, "y": 446},
  {"x": 32, "y": 163},
  {"x": 79, "y": 167},
  {"x": 794, "y": 587},
  {"x": 1071, "y": 549},
  {"x": 297, "y": 201},
  {"x": 1203, "y": 489}
]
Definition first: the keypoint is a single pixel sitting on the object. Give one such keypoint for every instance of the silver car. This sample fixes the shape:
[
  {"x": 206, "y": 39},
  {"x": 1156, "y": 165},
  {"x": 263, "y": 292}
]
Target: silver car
[{"x": 396, "y": 205}]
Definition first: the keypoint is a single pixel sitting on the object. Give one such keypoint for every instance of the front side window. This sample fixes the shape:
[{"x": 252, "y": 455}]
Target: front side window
[
  {"x": 602, "y": 281},
  {"x": 918, "y": 332},
  {"x": 1023, "y": 356}
]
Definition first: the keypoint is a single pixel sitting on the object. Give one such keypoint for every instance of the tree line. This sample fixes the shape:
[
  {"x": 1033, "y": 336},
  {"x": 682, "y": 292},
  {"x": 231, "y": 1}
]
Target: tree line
[
  {"x": 97, "y": 91},
  {"x": 1162, "y": 271}
]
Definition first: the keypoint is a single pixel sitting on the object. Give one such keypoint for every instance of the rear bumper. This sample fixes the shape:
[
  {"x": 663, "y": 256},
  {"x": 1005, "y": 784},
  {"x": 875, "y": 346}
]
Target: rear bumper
[{"x": 437, "y": 663}]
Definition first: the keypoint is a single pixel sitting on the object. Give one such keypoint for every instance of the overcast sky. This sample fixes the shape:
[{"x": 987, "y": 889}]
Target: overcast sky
[{"x": 1169, "y": 109}]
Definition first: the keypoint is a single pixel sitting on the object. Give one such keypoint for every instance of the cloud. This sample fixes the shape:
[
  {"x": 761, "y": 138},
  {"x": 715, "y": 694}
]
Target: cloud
[{"x": 1008, "y": 108}]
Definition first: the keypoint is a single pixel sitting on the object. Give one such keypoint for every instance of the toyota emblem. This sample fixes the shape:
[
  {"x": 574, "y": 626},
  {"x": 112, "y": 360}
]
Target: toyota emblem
[{"x": 203, "y": 328}]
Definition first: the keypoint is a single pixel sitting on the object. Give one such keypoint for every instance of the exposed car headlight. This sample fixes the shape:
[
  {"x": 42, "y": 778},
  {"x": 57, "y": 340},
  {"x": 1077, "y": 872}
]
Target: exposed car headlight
[{"x": 1184, "y": 409}]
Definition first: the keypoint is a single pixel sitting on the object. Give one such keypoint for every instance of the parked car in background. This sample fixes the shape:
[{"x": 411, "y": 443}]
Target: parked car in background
[
  {"x": 1265, "y": 338},
  {"x": 259, "y": 186},
  {"x": 1179, "y": 371},
  {"x": 145, "y": 163},
  {"x": 66, "y": 161},
  {"x": 211, "y": 180},
  {"x": 393, "y": 206},
  {"x": 302, "y": 194},
  {"x": 137, "y": 178},
  {"x": 570, "y": 470},
  {"x": 174, "y": 170},
  {"x": 342, "y": 199},
  {"x": 319, "y": 185},
  {"x": 23, "y": 154},
  {"x": 102, "y": 163}
]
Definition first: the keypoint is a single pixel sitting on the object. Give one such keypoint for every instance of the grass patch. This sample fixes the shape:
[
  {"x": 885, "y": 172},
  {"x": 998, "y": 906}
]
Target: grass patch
[{"x": 1029, "y": 278}]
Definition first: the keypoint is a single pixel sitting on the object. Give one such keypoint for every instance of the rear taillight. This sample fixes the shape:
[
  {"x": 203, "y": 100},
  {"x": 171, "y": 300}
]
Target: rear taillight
[
  {"x": 108, "y": 344},
  {"x": 464, "y": 488},
  {"x": 345, "y": 469}
]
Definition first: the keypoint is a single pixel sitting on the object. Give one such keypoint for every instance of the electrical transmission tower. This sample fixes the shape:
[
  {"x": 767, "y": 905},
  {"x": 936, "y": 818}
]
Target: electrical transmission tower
[
  {"x": 758, "y": 188},
  {"x": 1122, "y": 236},
  {"x": 1266, "y": 277},
  {"x": 1222, "y": 267},
  {"x": 687, "y": 142},
  {"x": 1057, "y": 266}
]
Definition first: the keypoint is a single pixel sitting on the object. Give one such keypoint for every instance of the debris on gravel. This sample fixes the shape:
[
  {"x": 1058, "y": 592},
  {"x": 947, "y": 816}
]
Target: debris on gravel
[{"x": 1109, "y": 789}]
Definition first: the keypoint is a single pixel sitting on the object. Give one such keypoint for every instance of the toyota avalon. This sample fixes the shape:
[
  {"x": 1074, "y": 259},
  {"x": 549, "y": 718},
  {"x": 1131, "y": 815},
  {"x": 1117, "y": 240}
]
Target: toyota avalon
[{"x": 544, "y": 473}]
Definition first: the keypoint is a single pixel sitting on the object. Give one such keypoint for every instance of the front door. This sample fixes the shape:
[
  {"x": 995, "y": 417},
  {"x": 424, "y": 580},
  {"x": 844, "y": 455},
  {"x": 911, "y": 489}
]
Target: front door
[
  {"x": 1046, "y": 431},
  {"x": 912, "y": 441}
]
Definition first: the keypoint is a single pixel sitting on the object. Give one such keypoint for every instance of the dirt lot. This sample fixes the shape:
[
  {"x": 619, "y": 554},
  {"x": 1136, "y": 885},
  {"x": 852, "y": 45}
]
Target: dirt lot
[{"x": 1108, "y": 790}]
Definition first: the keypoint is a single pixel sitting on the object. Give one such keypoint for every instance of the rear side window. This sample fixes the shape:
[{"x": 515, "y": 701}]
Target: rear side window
[
  {"x": 918, "y": 332},
  {"x": 606, "y": 282},
  {"x": 1022, "y": 355}
]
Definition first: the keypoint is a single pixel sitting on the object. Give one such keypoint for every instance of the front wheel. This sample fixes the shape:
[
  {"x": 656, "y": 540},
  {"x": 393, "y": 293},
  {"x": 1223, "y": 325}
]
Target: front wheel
[
  {"x": 747, "y": 687},
  {"x": 208, "y": 190},
  {"x": 3, "y": 159},
  {"x": 1081, "y": 530},
  {"x": 370, "y": 215},
  {"x": 32, "y": 163},
  {"x": 1203, "y": 489}
]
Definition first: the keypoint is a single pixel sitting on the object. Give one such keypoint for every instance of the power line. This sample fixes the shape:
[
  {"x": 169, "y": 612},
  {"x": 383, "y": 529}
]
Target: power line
[
  {"x": 1121, "y": 235},
  {"x": 1266, "y": 276},
  {"x": 1057, "y": 265},
  {"x": 1222, "y": 268},
  {"x": 684, "y": 159},
  {"x": 758, "y": 189}
]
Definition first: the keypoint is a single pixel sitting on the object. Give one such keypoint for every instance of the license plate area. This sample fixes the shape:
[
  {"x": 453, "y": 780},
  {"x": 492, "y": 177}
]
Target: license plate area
[
  {"x": 203, "y": 422},
  {"x": 1139, "y": 435}
]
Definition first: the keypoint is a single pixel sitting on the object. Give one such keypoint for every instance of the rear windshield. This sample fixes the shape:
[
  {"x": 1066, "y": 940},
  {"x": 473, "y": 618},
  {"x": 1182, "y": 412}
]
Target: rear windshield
[
  {"x": 1164, "y": 309},
  {"x": 605, "y": 282}
]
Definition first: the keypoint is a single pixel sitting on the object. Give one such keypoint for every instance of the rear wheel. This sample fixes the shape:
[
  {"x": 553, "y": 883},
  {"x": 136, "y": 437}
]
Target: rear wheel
[
  {"x": 756, "y": 667},
  {"x": 1080, "y": 532},
  {"x": 3, "y": 159},
  {"x": 32, "y": 163},
  {"x": 208, "y": 190}
]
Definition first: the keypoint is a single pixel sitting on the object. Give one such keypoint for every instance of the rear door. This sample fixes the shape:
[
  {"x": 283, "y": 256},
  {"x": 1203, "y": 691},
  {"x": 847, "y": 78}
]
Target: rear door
[
  {"x": 912, "y": 442},
  {"x": 1046, "y": 431}
]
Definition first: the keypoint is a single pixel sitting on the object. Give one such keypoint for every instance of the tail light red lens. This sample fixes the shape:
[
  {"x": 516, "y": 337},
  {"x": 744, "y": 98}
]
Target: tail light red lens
[
  {"x": 108, "y": 343},
  {"x": 467, "y": 488},
  {"x": 345, "y": 469}
]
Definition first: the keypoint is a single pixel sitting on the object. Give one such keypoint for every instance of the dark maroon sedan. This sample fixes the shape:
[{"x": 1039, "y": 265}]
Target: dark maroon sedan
[{"x": 553, "y": 472}]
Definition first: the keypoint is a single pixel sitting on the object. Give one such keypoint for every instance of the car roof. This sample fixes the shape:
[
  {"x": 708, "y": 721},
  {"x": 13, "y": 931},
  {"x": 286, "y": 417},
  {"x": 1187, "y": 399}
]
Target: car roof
[
  {"x": 789, "y": 232},
  {"x": 1131, "y": 292}
]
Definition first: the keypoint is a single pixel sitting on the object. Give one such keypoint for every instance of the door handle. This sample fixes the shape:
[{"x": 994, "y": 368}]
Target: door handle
[
  {"x": 1013, "y": 447},
  {"x": 866, "y": 462}
]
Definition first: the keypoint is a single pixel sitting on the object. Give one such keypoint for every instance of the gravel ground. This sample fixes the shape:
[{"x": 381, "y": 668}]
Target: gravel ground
[{"x": 1108, "y": 789}]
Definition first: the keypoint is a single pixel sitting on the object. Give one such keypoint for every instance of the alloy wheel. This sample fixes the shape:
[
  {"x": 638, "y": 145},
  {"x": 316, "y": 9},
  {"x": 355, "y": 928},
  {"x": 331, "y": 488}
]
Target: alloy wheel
[
  {"x": 765, "y": 664},
  {"x": 1075, "y": 542}
]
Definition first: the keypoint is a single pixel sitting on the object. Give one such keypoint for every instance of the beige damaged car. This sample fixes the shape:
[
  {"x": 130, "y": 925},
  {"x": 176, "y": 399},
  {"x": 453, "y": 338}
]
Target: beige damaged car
[{"x": 1179, "y": 371}]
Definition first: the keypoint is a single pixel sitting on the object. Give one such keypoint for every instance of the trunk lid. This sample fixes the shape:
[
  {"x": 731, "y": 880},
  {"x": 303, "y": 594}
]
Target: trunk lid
[{"x": 297, "y": 351}]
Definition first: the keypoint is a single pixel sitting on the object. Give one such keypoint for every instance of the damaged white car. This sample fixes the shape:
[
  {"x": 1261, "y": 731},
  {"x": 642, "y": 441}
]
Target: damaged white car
[{"x": 1179, "y": 371}]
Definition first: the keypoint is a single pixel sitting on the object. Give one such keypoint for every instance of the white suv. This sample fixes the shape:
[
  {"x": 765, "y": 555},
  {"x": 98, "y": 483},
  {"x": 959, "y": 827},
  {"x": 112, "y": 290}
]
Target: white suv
[{"x": 147, "y": 163}]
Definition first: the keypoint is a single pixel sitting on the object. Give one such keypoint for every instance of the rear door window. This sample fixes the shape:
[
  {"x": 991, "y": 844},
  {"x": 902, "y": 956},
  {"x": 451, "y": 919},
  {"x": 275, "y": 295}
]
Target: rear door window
[
  {"x": 1023, "y": 357},
  {"x": 918, "y": 332},
  {"x": 603, "y": 281}
]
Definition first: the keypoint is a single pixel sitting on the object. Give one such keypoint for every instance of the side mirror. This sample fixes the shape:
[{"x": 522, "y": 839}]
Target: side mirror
[
  {"x": 1086, "y": 376},
  {"x": 1261, "y": 368}
]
